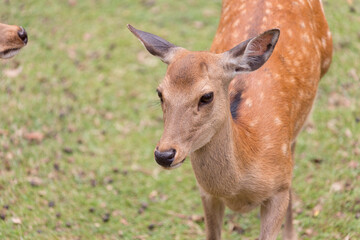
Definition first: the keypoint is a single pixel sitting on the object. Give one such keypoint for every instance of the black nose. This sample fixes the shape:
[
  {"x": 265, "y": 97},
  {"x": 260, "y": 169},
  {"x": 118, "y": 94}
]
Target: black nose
[
  {"x": 165, "y": 158},
  {"x": 23, "y": 35}
]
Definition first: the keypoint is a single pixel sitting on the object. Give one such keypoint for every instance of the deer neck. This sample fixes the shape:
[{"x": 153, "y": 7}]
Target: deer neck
[{"x": 218, "y": 165}]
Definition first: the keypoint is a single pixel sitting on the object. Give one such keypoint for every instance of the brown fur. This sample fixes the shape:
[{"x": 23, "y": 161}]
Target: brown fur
[
  {"x": 9, "y": 38},
  {"x": 247, "y": 161}
]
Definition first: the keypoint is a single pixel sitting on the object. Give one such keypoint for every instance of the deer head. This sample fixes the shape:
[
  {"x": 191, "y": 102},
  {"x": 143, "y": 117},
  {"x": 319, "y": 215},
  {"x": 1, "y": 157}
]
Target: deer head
[
  {"x": 12, "y": 39},
  {"x": 194, "y": 92}
]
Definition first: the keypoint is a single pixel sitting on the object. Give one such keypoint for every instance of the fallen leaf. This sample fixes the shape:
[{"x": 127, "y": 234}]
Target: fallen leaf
[
  {"x": 153, "y": 195},
  {"x": 353, "y": 164},
  {"x": 72, "y": 2},
  {"x": 197, "y": 218},
  {"x": 35, "y": 181},
  {"x": 16, "y": 220},
  {"x": 12, "y": 73},
  {"x": 337, "y": 186},
  {"x": 348, "y": 133},
  {"x": 353, "y": 74},
  {"x": 124, "y": 221},
  {"x": 317, "y": 209},
  {"x": 34, "y": 136},
  {"x": 3, "y": 132}
]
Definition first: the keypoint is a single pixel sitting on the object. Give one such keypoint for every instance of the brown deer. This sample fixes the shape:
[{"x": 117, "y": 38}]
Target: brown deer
[
  {"x": 12, "y": 39},
  {"x": 238, "y": 109}
]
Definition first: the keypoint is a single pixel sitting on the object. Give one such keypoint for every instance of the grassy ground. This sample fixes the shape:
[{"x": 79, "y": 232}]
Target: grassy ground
[{"x": 79, "y": 119}]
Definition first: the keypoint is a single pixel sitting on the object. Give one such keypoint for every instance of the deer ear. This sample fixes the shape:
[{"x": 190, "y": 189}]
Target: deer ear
[
  {"x": 252, "y": 53},
  {"x": 155, "y": 45}
]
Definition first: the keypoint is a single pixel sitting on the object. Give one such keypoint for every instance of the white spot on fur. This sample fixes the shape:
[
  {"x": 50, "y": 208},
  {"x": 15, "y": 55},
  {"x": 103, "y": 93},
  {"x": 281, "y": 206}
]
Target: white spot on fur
[
  {"x": 276, "y": 76},
  {"x": 247, "y": 27},
  {"x": 277, "y": 121},
  {"x": 323, "y": 42},
  {"x": 249, "y": 102},
  {"x": 326, "y": 63},
  {"x": 306, "y": 37},
  {"x": 291, "y": 51},
  {"x": 261, "y": 95},
  {"x": 329, "y": 34},
  {"x": 236, "y": 23},
  {"x": 280, "y": 7},
  {"x": 304, "y": 50},
  {"x": 309, "y": 2},
  {"x": 226, "y": 9},
  {"x": 290, "y": 32},
  {"x": 254, "y": 122},
  {"x": 301, "y": 93},
  {"x": 302, "y": 2},
  {"x": 284, "y": 149},
  {"x": 302, "y": 24},
  {"x": 268, "y": 11},
  {"x": 235, "y": 34},
  {"x": 322, "y": 8},
  {"x": 268, "y": 4},
  {"x": 264, "y": 19},
  {"x": 243, "y": 12}
]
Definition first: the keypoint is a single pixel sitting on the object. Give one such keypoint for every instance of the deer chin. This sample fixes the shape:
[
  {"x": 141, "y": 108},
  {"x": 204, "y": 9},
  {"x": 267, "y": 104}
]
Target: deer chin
[{"x": 9, "y": 53}]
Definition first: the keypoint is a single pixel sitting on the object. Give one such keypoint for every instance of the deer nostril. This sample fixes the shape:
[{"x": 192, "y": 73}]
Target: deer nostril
[
  {"x": 23, "y": 35},
  {"x": 165, "y": 158}
]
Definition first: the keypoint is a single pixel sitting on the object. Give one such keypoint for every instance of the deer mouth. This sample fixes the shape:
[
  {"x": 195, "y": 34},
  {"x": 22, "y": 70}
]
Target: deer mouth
[
  {"x": 9, "y": 53},
  {"x": 176, "y": 165}
]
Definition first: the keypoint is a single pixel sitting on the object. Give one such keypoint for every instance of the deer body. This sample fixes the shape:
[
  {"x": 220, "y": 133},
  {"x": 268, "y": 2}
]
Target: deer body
[
  {"x": 236, "y": 113},
  {"x": 12, "y": 39},
  {"x": 275, "y": 100}
]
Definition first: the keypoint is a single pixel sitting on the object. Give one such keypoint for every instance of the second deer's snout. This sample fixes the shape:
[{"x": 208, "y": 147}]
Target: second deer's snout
[
  {"x": 165, "y": 158},
  {"x": 23, "y": 35}
]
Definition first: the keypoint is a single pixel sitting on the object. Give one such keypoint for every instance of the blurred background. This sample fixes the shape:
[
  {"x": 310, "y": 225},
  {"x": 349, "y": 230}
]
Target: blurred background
[{"x": 79, "y": 119}]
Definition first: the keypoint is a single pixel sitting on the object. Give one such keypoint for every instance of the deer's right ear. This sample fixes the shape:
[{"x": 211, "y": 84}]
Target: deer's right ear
[{"x": 155, "y": 45}]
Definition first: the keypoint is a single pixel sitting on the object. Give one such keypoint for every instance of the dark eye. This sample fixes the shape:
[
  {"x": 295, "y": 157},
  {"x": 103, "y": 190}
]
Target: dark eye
[
  {"x": 160, "y": 95},
  {"x": 206, "y": 98}
]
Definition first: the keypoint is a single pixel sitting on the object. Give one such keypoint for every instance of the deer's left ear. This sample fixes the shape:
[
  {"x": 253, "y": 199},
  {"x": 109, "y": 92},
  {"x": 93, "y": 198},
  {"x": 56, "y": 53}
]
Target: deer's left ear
[
  {"x": 155, "y": 45},
  {"x": 252, "y": 53}
]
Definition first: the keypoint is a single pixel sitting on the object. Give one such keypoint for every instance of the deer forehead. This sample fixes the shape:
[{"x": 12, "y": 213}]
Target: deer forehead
[{"x": 190, "y": 70}]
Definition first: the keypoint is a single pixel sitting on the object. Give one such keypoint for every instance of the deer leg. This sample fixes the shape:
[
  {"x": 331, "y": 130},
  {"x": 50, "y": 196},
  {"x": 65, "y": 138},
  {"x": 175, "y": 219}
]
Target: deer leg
[
  {"x": 272, "y": 214},
  {"x": 214, "y": 214},
  {"x": 289, "y": 231}
]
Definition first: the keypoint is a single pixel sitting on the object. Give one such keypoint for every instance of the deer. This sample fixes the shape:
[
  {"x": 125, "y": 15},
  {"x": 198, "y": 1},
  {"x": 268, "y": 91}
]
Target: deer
[
  {"x": 237, "y": 109},
  {"x": 12, "y": 39}
]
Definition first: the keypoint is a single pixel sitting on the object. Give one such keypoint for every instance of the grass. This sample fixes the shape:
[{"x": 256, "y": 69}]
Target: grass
[{"x": 86, "y": 86}]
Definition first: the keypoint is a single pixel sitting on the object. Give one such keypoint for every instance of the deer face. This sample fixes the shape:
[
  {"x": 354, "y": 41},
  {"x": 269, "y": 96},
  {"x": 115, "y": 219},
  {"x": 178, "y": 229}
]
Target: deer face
[
  {"x": 193, "y": 100},
  {"x": 12, "y": 39},
  {"x": 194, "y": 92}
]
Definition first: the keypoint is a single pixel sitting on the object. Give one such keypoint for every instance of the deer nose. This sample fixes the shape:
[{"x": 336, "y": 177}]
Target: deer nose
[
  {"x": 165, "y": 158},
  {"x": 23, "y": 35}
]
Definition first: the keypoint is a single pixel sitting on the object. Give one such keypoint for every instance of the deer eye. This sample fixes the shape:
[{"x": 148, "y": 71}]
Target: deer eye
[
  {"x": 160, "y": 95},
  {"x": 206, "y": 98}
]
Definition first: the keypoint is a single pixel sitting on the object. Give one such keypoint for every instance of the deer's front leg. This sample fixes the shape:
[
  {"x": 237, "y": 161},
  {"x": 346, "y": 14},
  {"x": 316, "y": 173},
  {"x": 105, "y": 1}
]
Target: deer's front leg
[
  {"x": 214, "y": 214},
  {"x": 272, "y": 215}
]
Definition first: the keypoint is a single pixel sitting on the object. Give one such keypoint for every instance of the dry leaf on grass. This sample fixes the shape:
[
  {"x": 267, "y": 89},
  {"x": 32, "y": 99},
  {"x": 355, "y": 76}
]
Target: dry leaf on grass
[
  {"x": 34, "y": 136},
  {"x": 12, "y": 73},
  {"x": 16, "y": 220}
]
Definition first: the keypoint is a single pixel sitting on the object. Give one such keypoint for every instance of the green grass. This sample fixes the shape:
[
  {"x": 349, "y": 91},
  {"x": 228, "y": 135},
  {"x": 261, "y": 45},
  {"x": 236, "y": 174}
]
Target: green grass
[{"x": 89, "y": 86}]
